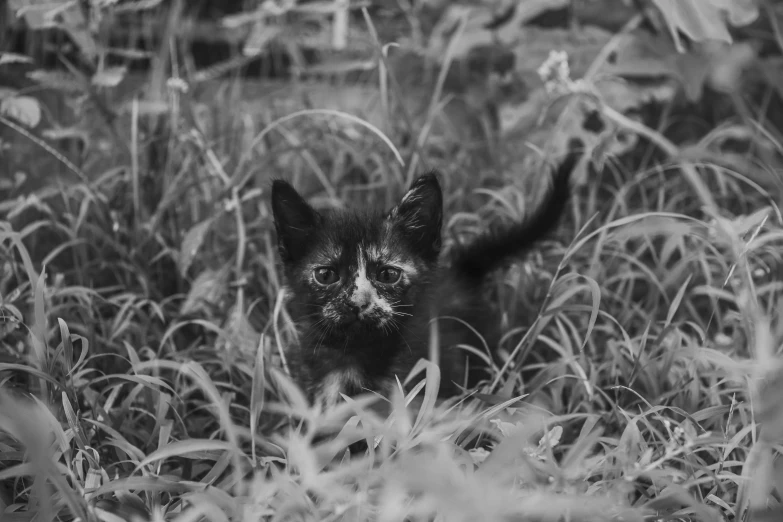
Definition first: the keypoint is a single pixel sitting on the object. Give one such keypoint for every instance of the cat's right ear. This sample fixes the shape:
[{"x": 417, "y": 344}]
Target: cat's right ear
[
  {"x": 419, "y": 215},
  {"x": 295, "y": 220}
]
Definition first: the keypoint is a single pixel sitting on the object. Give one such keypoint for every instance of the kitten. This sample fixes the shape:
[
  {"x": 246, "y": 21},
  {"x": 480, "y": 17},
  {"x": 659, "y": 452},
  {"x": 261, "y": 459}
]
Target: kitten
[{"x": 363, "y": 285}]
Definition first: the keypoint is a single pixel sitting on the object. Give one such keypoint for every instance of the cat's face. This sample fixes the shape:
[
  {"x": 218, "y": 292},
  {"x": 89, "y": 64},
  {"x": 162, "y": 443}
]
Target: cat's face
[{"x": 356, "y": 272}]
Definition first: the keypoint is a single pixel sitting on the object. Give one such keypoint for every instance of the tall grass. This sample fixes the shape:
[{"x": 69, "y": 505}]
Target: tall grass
[{"x": 143, "y": 341}]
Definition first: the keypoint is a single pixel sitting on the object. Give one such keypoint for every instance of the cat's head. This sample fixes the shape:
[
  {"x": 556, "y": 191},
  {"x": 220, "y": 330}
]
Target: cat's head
[{"x": 358, "y": 271}]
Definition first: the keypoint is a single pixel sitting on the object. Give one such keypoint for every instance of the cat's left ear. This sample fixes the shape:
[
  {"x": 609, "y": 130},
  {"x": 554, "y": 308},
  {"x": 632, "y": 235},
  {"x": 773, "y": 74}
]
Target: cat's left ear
[
  {"x": 295, "y": 220},
  {"x": 419, "y": 215}
]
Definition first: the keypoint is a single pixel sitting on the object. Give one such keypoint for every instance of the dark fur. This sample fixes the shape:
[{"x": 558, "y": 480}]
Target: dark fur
[{"x": 365, "y": 354}]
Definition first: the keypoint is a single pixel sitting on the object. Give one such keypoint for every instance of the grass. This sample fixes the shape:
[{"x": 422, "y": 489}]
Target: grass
[{"x": 143, "y": 340}]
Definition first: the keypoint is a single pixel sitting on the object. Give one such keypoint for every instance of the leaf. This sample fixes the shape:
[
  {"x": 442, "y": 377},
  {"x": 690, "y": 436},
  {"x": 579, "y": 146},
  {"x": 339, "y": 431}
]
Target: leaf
[
  {"x": 192, "y": 242},
  {"x": 39, "y": 327},
  {"x": 705, "y": 19},
  {"x": 769, "y": 394},
  {"x": 73, "y": 422},
  {"x": 75, "y": 24},
  {"x": 263, "y": 11},
  {"x": 146, "y": 107},
  {"x": 741, "y": 12},
  {"x": 35, "y": 16},
  {"x": 26, "y": 368},
  {"x": 630, "y": 445},
  {"x": 180, "y": 448},
  {"x": 728, "y": 67},
  {"x": 258, "y": 387},
  {"x": 138, "y": 5},
  {"x": 261, "y": 34},
  {"x": 692, "y": 70},
  {"x": 5, "y": 92},
  {"x": 65, "y": 15},
  {"x": 65, "y": 133},
  {"x": 643, "y": 55},
  {"x": 551, "y": 438},
  {"x": 23, "y": 109},
  {"x": 6, "y": 58},
  {"x": 432, "y": 379},
  {"x": 506, "y": 428},
  {"x": 241, "y": 331},
  {"x": 109, "y": 77},
  {"x": 93, "y": 479},
  {"x": 743, "y": 224},
  {"x": 579, "y": 452},
  {"x": 206, "y": 291},
  {"x": 675, "y": 305},
  {"x": 65, "y": 335},
  {"x": 62, "y": 81},
  {"x": 482, "y": 27}
]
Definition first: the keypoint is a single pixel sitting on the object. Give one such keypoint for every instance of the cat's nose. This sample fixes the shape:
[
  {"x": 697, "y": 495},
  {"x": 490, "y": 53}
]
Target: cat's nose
[{"x": 357, "y": 309}]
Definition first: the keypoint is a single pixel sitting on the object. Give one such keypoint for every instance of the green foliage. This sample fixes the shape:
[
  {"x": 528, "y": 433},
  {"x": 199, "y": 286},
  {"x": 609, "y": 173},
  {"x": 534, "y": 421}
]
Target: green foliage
[
  {"x": 143, "y": 371},
  {"x": 706, "y": 19}
]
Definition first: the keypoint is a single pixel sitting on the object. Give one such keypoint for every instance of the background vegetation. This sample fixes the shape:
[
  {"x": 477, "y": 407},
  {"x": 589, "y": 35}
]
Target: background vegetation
[{"x": 142, "y": 336}]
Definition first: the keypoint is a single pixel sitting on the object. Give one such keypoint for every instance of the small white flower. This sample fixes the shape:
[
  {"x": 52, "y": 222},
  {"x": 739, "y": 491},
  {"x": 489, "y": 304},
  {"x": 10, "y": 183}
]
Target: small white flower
[
  {"x": 177, "y": 84},
  {"x": 478, "y": 455},
  {"x": 556, "y": 73},
  {"x": 722, "y": 339}
]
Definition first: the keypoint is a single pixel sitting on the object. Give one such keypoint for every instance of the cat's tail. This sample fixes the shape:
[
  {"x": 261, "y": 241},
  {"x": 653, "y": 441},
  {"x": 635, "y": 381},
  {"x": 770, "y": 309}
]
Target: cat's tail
[{"x": 494, "y": 248}]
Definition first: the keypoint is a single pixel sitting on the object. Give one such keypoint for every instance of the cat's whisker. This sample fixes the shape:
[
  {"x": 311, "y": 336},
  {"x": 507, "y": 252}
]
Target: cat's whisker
[
  {"x": 327, "y": 331},
  {"x": 317, "y": 325},
  {"x": 393, "y": 326},
  {"x": 386, "y": 327},
  {"x": 397, "y": 304},
  {"x": 398, "y": 326},
  {"x": 324, "y": 333},
  {"x": 401, "y": 326},
  {"x": 320, "y": 328}
]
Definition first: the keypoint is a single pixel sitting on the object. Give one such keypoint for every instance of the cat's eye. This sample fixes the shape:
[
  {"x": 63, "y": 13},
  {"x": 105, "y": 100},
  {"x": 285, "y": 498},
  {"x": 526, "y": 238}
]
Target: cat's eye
[
  {"x": 325, "y": 275},
  {"x": 388, "y": 275}
]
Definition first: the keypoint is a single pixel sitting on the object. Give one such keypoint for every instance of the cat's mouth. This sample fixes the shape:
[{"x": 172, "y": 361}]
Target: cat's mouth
[{"x": 353, "y": 322}]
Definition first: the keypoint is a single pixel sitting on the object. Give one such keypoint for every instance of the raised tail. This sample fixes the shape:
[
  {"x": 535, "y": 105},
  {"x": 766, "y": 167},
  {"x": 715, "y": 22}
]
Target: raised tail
[{"x": 494, "y": 248}]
